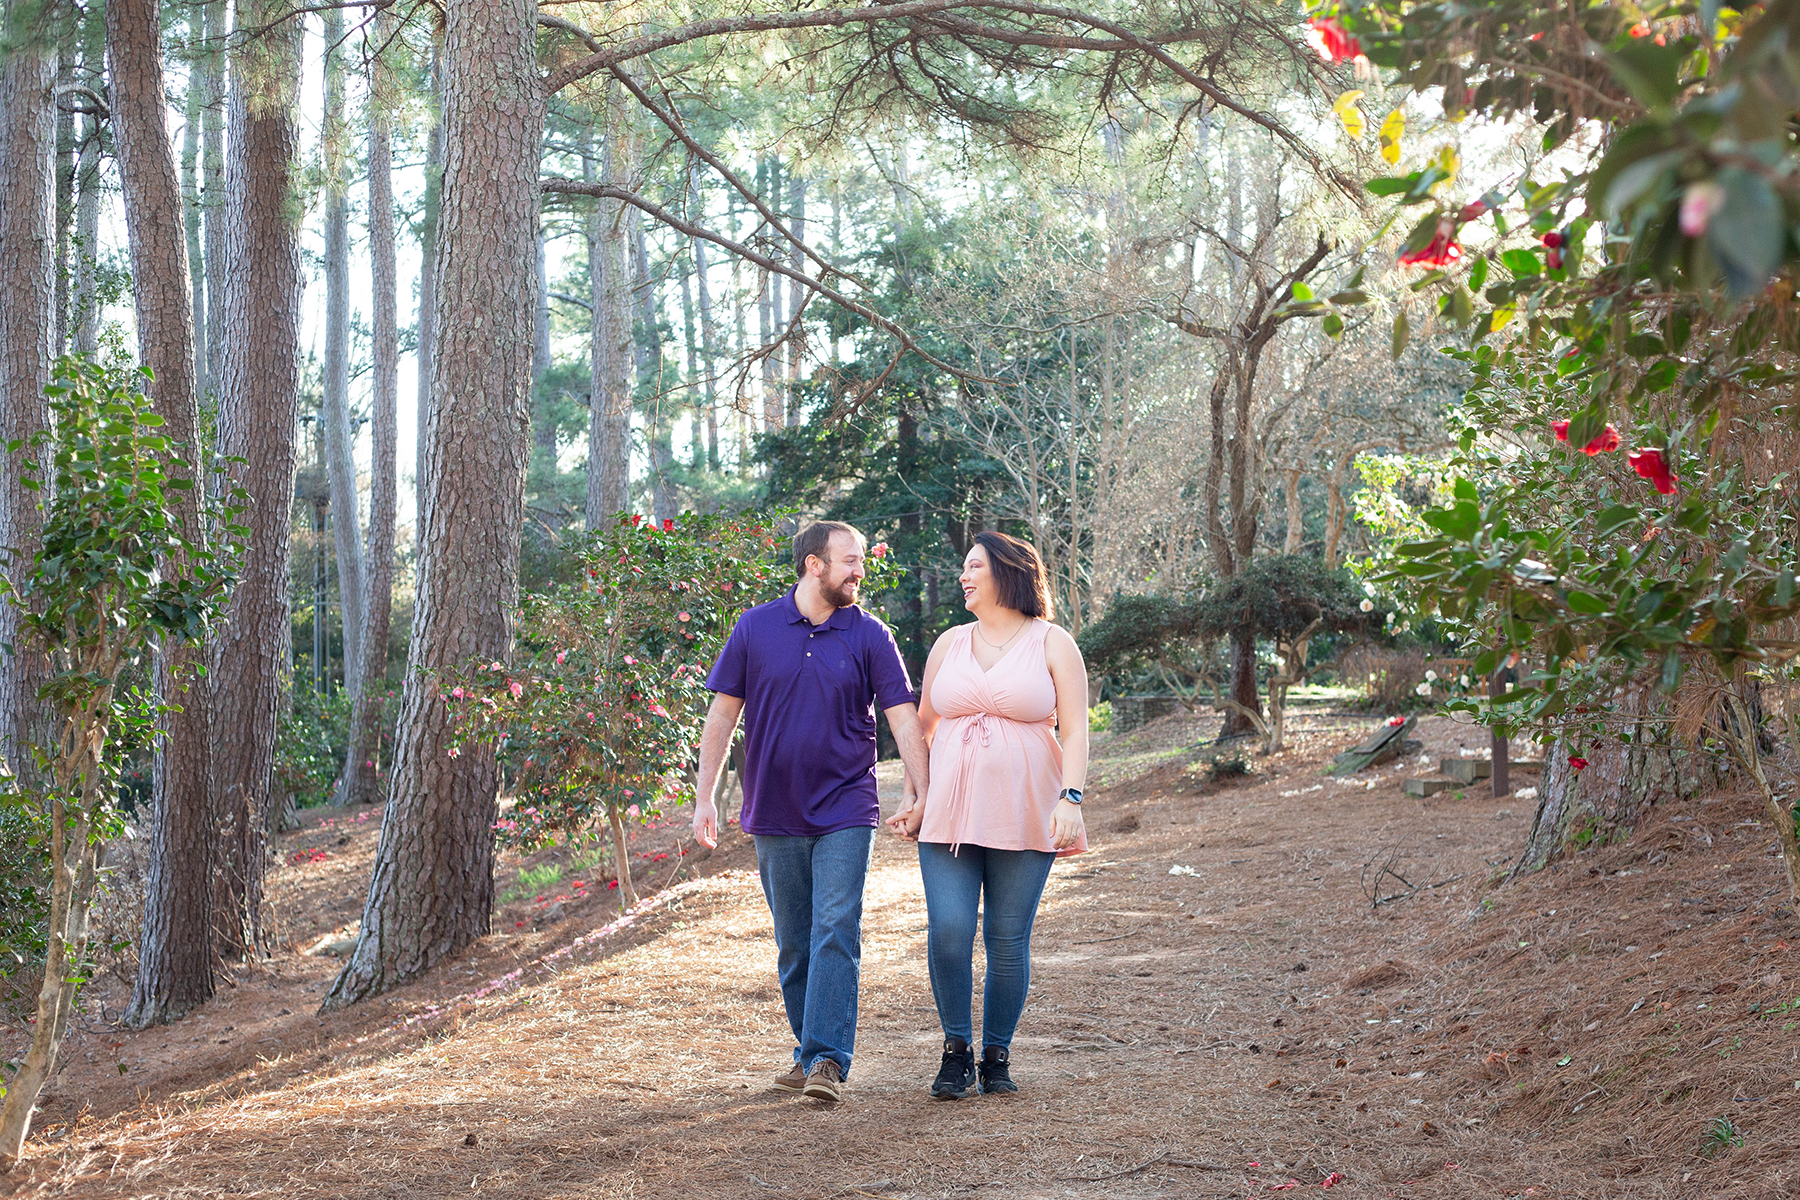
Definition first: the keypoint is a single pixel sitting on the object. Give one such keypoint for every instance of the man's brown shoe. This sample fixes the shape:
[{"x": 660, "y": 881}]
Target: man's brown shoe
[
  {"x": 825, "y": 1081},
  {"x": 791, "y": 1080}
]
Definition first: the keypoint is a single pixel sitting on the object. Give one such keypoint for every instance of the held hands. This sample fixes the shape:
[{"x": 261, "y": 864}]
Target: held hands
[
  {"x": 706, "y": 822},
  {"x": 1065, "y": 825},
  {"x": 911, "y": 813}
]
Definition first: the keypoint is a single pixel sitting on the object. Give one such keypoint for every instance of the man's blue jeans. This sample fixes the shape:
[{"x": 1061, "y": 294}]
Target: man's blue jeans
[
  {"x": 814, "y": 886},
  {"x": 1013, "y": 881}
]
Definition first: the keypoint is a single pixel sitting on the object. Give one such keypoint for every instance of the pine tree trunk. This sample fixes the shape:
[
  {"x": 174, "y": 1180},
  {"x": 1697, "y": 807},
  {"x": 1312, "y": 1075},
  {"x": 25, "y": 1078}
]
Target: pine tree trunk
[
  {"x": 211, "y": 69},
  {"x": 190, "y": 197},
  {"x": 259, "y": 380},
  {"x": 432, "y": 888},
  {"x": 84, "y": 298},
  {"x": 65, "y": 205},
  {"x": 1243, "y": 685},
  {"x": 796, "y": 296},
  {"x": 543, "y": 429},
  {"x": 709, "y": 338},
  {"x": 340, "y": 437},
  {"x": 175, "y": 953},
  {"x": 647, "y": 320},
  {"x": 428, "y": 238},
  {"x": 360, "y": 782},
  {"x": 609, "y": 413},
  {"x": 27, "y": 331}
]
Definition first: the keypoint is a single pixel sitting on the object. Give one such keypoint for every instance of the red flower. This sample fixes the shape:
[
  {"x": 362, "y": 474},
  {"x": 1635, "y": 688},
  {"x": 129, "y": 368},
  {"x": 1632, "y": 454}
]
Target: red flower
[
  {"x": 668, "y": 524},
  {"x": 1653, "y": 466},
  {"x": 1562, "y": 430},
  {"x": 1554, "y": 239},
  {"x": 1606, "y": 443},
  {"x": 636, "y": 519},
  {"x": 1331, "y": 40},
  {"x": 1441, "y": 251},
  {"x": 1577, "y": 761},
  {"x": 1553, "y": 259},
  {"x": 1473, "y": 210}
]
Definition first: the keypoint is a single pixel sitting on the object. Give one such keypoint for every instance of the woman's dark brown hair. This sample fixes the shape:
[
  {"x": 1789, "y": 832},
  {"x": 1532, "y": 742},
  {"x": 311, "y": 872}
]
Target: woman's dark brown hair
[{"x": 1019, "y": 574}]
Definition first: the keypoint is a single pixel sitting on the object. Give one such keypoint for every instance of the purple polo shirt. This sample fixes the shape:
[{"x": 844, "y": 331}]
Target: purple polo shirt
[{"x": 809, "y": 696}]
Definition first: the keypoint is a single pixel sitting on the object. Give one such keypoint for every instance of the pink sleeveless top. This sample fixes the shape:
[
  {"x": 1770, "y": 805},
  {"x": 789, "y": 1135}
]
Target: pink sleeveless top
[{"x": 996, "y": 766}]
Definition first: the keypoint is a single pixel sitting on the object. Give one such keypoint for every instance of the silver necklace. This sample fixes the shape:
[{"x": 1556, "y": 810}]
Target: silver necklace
[{"x": 1009, "y": 641}]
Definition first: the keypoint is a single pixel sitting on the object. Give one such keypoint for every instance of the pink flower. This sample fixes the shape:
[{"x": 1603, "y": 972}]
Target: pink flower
[
  {"x": 1699, "y": 204},
  {"x": 516, "y": 688},
  {"x": 878, "y": 550},
  {"x": 1473, "y": 210},
  {"x": 632, "y": 812},
  {"x": 660, "y": 711},
  {"x": 561, "y": 655},
  {"x": 495, "y": 667},
  {"x": 1441, "y": 251},
  {"x": 630, "y": 661},
  {"x": 1653, "y": 466},
  {"x": 457, "y": 692},
  {"x": 1331, "y": 40},
  {"x": 685, "y": 616}
]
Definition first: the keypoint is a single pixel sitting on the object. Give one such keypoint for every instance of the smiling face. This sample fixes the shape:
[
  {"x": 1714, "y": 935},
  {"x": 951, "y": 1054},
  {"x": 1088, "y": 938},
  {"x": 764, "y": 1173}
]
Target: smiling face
[
  {"x": 840, "y": 578},
  {"x": 980, "y": 593}
]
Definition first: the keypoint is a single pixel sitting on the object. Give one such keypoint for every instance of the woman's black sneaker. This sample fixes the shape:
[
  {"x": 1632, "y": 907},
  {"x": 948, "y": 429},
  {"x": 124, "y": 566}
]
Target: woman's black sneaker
[
  {"x": 957, "y": 1074},
  {"x": 994, "y": 1075}
]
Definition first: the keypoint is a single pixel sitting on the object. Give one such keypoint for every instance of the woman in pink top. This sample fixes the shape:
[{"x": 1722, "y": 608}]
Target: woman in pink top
[{"x": 1004, "y": 798}]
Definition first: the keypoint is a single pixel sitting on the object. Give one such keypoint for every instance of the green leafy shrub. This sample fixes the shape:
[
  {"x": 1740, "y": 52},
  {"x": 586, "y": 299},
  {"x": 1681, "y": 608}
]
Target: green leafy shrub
[{"x": 311, "y": 744}]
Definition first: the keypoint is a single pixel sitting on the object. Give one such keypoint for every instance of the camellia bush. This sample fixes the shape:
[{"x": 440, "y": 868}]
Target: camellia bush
[
  {"x": 598, "y": 718},
  {"x": 116, "y": 571}
]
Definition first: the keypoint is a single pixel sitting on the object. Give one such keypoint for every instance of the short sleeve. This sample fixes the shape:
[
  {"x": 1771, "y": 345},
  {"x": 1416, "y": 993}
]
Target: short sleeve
[
  {"x": 729, "y": 675},
  {"x": 887, "y": 670}
]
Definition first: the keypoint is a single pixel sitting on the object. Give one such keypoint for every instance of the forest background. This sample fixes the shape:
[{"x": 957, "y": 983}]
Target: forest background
[{"x": 1161, "y": 289}]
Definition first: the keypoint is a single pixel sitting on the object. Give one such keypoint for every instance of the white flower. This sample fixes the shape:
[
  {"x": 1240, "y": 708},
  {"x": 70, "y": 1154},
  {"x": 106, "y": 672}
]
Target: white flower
[
  {"x": 1464, "y": 681},
  {"x": 1424, "y": 689},
  {"x": 1525, "y": 793},
  {"x": 1431, "y": 675},
  {"x": 1367, "y": 606}
]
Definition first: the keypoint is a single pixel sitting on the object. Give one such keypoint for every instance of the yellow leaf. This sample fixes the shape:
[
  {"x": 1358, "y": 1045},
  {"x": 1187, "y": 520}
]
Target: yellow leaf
[
  {"x": 1347, "y": 112},
  {"x": 1447, "y": 161},
  {"x": 1391, "y": 131},
  {"x": 1503, "y": 316}
]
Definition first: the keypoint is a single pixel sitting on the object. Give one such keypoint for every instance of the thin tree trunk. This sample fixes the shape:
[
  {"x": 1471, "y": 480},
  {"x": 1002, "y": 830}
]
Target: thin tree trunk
[
  {"x": 259, "y": 382},
  {"x": 796, "y": 297},
  {"x": 709, "y": 340},
  {"x": 212, "y": 180},
  {"x": 1296, "y": 530},
  {"x": 360, "y": 781},
  {"x": 609, "y": 417},
  {"x": 543, "y": 429},
  {"x": 175, "y": 958},
  {"x": 340, "y": 436},
  {"x": 84, "y": 301},
  {"x": 432, "y": 888},
  {"x": 647, "y": 305},
  {"x": 428, "y": 239},
  {"x": 27, "y": 334},
  {"x": 65, "y": 204},
  {"x": 193, "y": 115}
]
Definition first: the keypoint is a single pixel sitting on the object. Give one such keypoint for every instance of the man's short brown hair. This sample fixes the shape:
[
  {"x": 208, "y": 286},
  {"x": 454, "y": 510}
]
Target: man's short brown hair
[
  {"x": 815, "y": 542},
  {"x": 1019, "y": 575}
]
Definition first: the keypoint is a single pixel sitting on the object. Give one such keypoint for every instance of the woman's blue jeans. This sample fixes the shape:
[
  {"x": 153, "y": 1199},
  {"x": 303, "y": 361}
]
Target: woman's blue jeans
[
  {"x": 1006, "y": 886},
  {"x": 814, "y": 886}
]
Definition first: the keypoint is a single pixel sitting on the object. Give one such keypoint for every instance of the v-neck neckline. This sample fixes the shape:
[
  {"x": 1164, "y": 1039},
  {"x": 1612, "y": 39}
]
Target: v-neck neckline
[{"x": 1018, "y": 641}]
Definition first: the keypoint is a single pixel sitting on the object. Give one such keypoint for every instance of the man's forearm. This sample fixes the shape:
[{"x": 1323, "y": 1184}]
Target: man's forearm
[
  {"x": 715, "y": 743},
  {"x": 915, "y": 756}
]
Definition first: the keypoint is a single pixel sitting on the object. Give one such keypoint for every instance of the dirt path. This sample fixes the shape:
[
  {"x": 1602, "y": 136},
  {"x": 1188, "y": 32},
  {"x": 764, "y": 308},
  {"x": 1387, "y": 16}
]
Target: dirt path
[{"x": 1218, "y": 1031}]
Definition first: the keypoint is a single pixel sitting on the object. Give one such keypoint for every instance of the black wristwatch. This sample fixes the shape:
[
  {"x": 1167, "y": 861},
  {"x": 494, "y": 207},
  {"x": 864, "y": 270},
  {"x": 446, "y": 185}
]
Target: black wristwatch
[{"x": 1072, "y": 795}]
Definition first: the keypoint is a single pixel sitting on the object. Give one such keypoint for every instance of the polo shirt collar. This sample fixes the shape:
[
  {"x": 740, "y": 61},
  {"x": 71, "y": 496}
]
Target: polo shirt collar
[{"x": 840, "y": 618}]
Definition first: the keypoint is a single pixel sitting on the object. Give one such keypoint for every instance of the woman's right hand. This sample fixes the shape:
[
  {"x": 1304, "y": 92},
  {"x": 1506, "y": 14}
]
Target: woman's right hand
[{"x": 910, "y": 815}]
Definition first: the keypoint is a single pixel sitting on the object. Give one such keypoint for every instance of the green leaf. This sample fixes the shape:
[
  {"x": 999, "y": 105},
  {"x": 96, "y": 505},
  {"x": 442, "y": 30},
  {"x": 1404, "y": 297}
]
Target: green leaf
[
  {"x": 1581, "y": 602},
  {"x": 1478, "y": 274},
  {"x": 1643, "y": 345},
  {"x": 1650, "y": 72},
  {"x": 1333, "y": 325},
  {"x": 1389, "y": 185},
  {"x": 1615, "y": 518},
  {"x": 1659, "y": 377},
  {"x": 1460, "y": 521},
  {"x": 1586, "y": 424},
  {"x": 1401, "y": 333},
  {"x": 1522, "y": 263},
  {"x": 1301, "y": 291},
  {"x": 1350, "y": 296}
]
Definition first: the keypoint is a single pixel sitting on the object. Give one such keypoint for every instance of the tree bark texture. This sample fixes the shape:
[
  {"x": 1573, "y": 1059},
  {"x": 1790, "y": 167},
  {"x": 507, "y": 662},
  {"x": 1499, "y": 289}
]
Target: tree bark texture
[
  {"x": 340, "y": 435},
  {"x": 175, "y": 957},
  {"x": 193, "y": 115},
  {"x": 543, "y": 429},
  {"x": 65, "y": 204},
  {"x": 432, "y": 888},
  {"x": 1603, "y": 800},
  {"x": 430, "y": 206},
  {"x": 647, "y": 322},
  {"x": 259, "y": 381},
  {"x": 27, "y": 334},
  {"x": 709, "y": 335},
  {"x": 211, "y": 69},
  {"x": 609, "y": 412},
  {"x": 360, "y": 783}
]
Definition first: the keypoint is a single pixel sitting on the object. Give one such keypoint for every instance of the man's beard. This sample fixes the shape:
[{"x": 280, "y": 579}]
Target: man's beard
[{"x": 841, "y": 596}]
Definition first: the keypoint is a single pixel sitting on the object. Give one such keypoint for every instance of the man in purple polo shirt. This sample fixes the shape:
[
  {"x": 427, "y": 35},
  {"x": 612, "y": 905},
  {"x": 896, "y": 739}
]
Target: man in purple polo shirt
[{"x": 806, "y": 672}]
